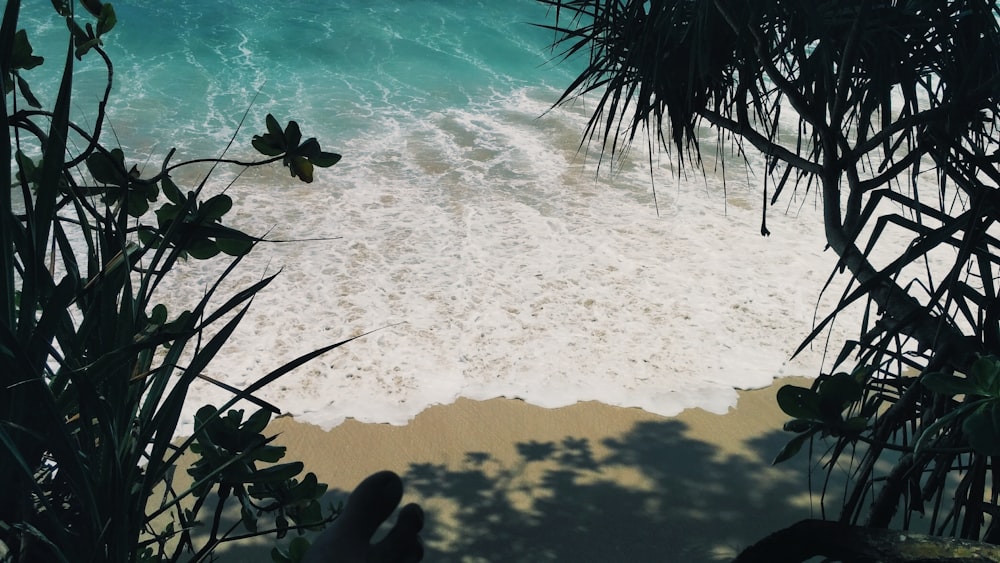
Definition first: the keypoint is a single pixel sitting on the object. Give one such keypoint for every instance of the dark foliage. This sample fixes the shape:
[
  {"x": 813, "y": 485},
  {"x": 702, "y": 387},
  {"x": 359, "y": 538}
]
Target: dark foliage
[
  {"x": 94, "y": 368},
  {"x": 889, "y": 109}
]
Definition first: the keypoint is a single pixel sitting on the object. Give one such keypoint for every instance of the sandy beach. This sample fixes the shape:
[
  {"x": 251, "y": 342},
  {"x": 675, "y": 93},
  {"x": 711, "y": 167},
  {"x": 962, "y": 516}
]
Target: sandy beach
[{"x": 502, "y": 480}]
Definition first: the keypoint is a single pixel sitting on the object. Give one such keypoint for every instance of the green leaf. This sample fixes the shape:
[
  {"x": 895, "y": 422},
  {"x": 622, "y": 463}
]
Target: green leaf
[
  {"x": 273, "y": 128},
  {"x": 949, "y": 385},
  {"x": 267, "y": 145},
  {"x": 839, "y": 390},
  {"x": 309, "y": 148},
  {"x": 799, "y": 425},
  {"x": 249, "y": 519},
  {"x": 301, "y": 168},
  {"x": 137, "y": 206},
  {"x": 308, "y": 489},
  {"x": 149, "y": 237},
  {"x": 298, "y": 548},
  {"x": 281, "y": 523},
  {"x": 234, "y": 246},
  {"x": 233, "y": 418},
  {"x": 27, "y": 166},
  {"x": 269, "y": 454},
  {"x": 293, "y": 135},
  {"x": 21, "y": 57},
  {"x": 202, "y": 249},
  {"x": 204, "y": 415},
  {"x": 325, "y": 159},
  {"x": 982, "y": 428},
  {"x": 171, "y": 191},
  {"x": 280, "y": 555},
  {"x": 167, "y": 213},
  {"x": 106, "y": 20},
  {"x": 295, "y": 553},
  {"x": 85, "y": 46},
  {"x": 276, "y": 473},
  {"x": 149, "y": 191},
  {"x": 932, "y": 430},
  {"x": 95, "y": 7},
  {"x": 107, "y": 168},
  {"x": 311, "y": 513},
  {"x": 792, "y": 447},
  {"x": 216, "y": 207},
  {"x": 159, "y": 315},
  {"x": 257, "y": 422},
  {"x": 799, "y": 402},
  {"x": 855, "y": 424},
  {"x": 22, "y": 85},
  {"x": 985, "y": 374}
]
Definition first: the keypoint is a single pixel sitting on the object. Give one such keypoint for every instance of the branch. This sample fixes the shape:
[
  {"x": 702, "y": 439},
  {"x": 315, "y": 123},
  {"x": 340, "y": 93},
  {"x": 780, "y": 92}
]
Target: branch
[
  {"x": 798, "y": 101},
  {"x": 760, "y": 142}
]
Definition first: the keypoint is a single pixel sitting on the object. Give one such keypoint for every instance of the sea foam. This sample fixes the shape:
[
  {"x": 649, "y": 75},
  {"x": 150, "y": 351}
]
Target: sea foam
[{"x": 466, "y": 230}]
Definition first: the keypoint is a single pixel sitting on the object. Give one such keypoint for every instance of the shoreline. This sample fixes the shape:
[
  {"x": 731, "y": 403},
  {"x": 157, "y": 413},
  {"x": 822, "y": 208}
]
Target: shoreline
[{"x": 502, "y": 480}]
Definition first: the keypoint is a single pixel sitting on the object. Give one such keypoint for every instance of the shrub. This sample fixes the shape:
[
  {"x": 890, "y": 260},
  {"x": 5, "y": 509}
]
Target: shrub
[{"x": 95, "y": 366}]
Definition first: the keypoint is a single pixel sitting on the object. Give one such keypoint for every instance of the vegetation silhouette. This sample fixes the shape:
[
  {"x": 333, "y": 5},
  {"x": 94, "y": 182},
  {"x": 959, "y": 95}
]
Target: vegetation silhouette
[
  {"x": 652, "y": 491},
  {"x": 889, "y": 110},
  {"x": 95, "y": 368}
]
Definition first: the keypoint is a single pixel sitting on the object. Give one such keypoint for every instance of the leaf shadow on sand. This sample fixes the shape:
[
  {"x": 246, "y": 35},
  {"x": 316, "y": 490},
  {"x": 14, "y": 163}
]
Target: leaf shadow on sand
[{"x": 652, "y": 495}]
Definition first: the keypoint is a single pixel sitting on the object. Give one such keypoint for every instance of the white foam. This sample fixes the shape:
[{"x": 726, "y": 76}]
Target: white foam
[{"x": 499, "y": 265}]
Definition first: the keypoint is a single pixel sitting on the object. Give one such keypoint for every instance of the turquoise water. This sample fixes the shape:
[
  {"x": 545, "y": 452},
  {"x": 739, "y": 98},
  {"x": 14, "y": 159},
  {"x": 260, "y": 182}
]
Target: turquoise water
[
  {"x": 463, "y": 221},
  {"x": 188, "y": 68}
]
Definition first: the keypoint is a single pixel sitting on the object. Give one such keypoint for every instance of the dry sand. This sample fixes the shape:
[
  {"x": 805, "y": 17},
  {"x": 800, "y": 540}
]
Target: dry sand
[{"x": 502, "y": 480}]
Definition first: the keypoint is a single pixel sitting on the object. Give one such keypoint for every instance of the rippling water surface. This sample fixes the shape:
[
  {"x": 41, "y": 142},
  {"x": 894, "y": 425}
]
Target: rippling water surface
[{"x": 463, "y": 221}]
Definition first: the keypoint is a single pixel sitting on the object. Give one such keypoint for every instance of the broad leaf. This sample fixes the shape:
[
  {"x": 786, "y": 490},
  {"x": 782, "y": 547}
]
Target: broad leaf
[
  {"x": 22, "y": 86},
  {"x": 234, "y": 246},
  {"x": 985, "y": 374},
  {"x": 293, "y": 136},
  {"x": 106, "y": 20},
  {"x": 301, "y": 168},
  {"x": 108, "y": 168},
  {"x": 268, "y": 144},
  {"x": 273, "y": 128},
  {"x": 949, "y": 385},
  {"x": 21, "y": 57},
  {"x": 837, "y": 391},
  {"x": 276, "y": 473},
  {"x": 792, "y": 447},
  {"x": 171, "y": 190},
  {"x": 982, "y": 428},
  {"x": 215, "y": 207},
  {"x": 799, "y": 402},
  {"x": 202, "y": 249}
]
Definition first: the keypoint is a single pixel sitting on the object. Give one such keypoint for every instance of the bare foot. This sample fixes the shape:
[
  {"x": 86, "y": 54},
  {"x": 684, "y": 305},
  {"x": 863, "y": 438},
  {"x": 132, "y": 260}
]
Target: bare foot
[{"x": 348, "y": 538}]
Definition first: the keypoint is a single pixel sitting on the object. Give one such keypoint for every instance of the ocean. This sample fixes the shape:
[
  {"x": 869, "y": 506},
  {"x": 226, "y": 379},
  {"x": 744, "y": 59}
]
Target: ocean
[{"x": 490, "y": 253}]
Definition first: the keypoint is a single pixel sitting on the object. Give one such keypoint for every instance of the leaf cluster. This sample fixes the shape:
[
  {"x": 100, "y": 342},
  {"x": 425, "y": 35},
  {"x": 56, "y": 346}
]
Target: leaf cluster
[
  {"x": 888, "y": 110},
  {"x": 977, "y": 418},
  {"x": 230, "y": 451},
  {"x": 299, "y": 156},
  {"x": 96, "y": 367},
  {"x": 821, "y": 409}
]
